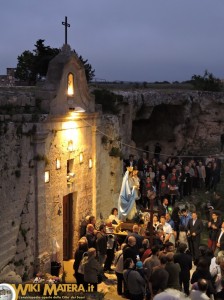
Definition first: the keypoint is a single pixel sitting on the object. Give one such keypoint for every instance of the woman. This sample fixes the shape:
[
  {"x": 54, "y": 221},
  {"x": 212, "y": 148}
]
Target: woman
[
  {"x": 79, "y": 253},
  {"x": 114, "y": 216},
  {"x": 91, "y": 270},
  {"x": 134, "y": 281}
]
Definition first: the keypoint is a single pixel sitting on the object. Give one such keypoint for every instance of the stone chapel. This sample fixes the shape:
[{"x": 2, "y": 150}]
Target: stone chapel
[{"x": 54, "y": 169}]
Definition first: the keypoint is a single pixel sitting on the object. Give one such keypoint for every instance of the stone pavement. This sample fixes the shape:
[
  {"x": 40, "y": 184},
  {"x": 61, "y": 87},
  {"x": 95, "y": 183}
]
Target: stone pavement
[{"x": 108, "y": 287}]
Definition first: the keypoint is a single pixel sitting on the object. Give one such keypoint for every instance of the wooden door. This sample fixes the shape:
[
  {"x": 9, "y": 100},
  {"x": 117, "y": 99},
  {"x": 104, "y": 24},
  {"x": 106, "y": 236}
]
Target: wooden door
[{"x": 67, "y": 227}]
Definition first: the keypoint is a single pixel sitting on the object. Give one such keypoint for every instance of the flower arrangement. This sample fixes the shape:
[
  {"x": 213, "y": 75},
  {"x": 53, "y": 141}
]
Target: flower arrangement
[{"x": 46, "y": 278}]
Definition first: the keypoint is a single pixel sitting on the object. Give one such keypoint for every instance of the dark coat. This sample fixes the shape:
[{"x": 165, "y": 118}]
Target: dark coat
[
  {"x": 196, "y": 228},
  {"x": 130, "y": 252},
  {"x": 162, "y": 210},
  {"x": 185, "y": 262},
  {"x": 174, "y": 271}
]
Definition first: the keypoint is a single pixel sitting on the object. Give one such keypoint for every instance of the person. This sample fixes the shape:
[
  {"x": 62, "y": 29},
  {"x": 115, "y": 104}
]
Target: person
[
  {"x": 202, "y": 271},
  {"x": 220, "y": 238},
  {"x": 119, "y": 268},
  {"x": 163, "y": 209},
  {"x": 220, "y": 273},
  {"x": 146, "y": 250},
  {"x": 163, "y": 188},
  {"x": 91, "y": 270},
  {"x": 220, "y": 294},
  {"x": 184, "y": 259},
  {"x": 222, "y": 142},
  {"x": 79, "y": 254},
  {"x": 131, "y": 250},
  {"x": 83, "y": 226},
  {"x": 195, "y": 227},
  {"x": 201, "y": 174},
  {"x": 173, "y": 270},
  {"x": 200, "y": 293},
  {"x": 167, "y": 231},
  {"x": 138, "y": 237},
  {"x": 186, "y": 180},
  {"x": 113, "y": 217},
  {"x": 91, "y": 235},
  {"x": 111, "y": 246},
  {"x": 152, "y": 261},
  {"x": 173, "y": 183},
  {"x": 130, "y": 162},
  {"x": 148, "y": 191},
  {"x": 214, "y": 226},
  {"x": 128, "y": 195},
  {"x": 134, "y": 281},
  {"x": 101, "y": 244},
  {"x": 159, "y": 277},
  {"x": 170, "y": 294},
  {"x": 184, "y": 219},
  {"x": 157, "y": 151}
]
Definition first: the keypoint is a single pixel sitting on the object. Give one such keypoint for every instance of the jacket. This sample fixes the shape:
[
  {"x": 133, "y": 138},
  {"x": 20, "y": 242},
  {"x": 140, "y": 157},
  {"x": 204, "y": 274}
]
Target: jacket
[{"x": 91, "y": 270}]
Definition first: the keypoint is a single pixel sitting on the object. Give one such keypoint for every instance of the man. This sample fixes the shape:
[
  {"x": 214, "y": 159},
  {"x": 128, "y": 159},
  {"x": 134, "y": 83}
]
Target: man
[
  {"x": 91, "y": 236},
  {"x": 184, "y": 219},
  {"x": 131, "y": 250},
  {"x": 138, "y": 237},
  {"x": 195, "y": 227},
  {"x": 200, "y": 294},
  {"x": 173, "y": 270},
  {"x": 184, "y": 259},
  {"x": 167, "y": 230},
  {"x": 159, "y": 278},
  {"x": 163, "y": 209},
  {"x": 131, "y": 162},
  {"x": 152, "y": 261}
]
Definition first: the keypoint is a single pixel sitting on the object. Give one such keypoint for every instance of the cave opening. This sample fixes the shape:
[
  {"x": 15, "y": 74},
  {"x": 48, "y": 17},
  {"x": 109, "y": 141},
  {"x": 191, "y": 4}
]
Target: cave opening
[{"x": 159, "y": 126}]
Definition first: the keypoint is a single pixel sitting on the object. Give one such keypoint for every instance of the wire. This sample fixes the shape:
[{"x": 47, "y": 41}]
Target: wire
[{"x": 149, "y": 152}]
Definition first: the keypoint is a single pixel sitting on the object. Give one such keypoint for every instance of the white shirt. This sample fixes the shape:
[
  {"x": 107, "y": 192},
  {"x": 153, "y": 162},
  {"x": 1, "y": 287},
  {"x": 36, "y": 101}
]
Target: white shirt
[
  {"x": 167, "y": 228},
  {"x": 198, "y": 295},
  {"x": 221, "y": 233}
]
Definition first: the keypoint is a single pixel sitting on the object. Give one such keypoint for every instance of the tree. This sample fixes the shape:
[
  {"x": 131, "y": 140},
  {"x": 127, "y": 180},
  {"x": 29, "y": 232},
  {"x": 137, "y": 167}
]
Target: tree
[
  {"x": 90, "y": 73},
  {"x": 32, "y": 65},
  {"x": 207, "y": 82}
]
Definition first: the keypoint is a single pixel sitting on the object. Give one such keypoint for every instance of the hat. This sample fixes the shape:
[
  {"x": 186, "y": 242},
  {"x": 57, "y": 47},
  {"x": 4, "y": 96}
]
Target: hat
[{"x": 139, "y": 265}]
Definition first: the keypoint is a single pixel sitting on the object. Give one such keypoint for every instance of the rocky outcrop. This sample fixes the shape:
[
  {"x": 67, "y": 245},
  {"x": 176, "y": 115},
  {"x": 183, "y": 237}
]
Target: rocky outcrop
[{"x": 184, "y": 122}]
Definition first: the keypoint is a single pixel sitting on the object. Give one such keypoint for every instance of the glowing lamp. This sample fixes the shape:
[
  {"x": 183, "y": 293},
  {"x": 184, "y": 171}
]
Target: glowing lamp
[
  {"x": 58, "y": 164},
  {"x": 47, "y": 176},
  {"x": 90, "y": 163},
  {"x": 80, "y": 157}
]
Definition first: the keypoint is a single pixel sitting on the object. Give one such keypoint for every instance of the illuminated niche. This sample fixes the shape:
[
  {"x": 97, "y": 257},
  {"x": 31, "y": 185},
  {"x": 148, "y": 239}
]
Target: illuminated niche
[{"x": 70, "y": 84}]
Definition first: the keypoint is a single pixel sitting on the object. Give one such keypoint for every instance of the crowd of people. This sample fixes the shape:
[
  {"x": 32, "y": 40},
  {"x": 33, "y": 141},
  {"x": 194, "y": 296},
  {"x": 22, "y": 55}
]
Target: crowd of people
[
  {"x": 174, "y": 177},
  {"x": 147, "y": 271},
  {"x": 165, "y": 259}
]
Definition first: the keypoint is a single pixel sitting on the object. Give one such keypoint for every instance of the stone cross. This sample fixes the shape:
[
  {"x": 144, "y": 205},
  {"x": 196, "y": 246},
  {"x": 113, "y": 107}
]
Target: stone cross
[{"x": 66, "y": 26}]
